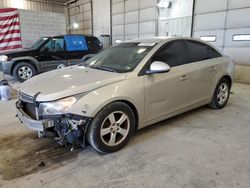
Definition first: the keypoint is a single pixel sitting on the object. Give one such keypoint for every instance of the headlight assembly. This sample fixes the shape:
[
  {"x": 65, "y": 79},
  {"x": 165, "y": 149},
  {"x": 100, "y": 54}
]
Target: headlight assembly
[
  {"x": 3, "y": 58},
  {"x": 58, "y": 107}
]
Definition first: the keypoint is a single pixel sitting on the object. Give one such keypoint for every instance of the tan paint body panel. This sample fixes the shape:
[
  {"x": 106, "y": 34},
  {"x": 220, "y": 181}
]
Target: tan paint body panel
[{"x": 155, "y": 97}]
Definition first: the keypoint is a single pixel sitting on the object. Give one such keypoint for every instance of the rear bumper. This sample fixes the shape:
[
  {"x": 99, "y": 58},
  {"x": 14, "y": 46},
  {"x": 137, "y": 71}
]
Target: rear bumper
[{"x": 34, "y": 124}]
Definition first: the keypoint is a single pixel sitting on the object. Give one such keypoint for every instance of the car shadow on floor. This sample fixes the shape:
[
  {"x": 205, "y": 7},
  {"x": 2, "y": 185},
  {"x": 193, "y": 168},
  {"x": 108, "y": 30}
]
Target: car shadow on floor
[{"x": 24, "y": 153}]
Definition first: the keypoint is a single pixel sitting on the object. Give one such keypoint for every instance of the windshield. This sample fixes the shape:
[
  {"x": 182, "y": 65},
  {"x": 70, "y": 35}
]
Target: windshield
[
  {"x": 38, "y": 43},
  {"x": 121, "y": 58}
]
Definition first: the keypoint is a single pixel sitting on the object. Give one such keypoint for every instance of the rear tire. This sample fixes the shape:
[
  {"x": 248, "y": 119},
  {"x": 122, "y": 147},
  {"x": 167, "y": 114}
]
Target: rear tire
[
  {"x": 221, "y": 94},
  {"x": 24, "y": 71},
  {"x": 112, "y": 127}
]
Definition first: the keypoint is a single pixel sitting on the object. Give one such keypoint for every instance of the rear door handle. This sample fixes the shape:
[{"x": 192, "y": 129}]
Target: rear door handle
[
  {"x": 184, "y": 77},
  {"x": 213, "y": 68}
]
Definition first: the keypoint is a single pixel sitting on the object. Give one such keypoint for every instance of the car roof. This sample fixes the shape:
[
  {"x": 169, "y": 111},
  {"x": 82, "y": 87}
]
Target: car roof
[
  {"x": 71, "y": 35},
  {"x": 159, "y": 39}
]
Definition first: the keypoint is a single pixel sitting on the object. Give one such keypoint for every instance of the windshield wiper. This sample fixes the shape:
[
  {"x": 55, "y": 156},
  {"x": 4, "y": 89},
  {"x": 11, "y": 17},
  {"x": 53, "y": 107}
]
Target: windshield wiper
[{"x": 104, "y": 68}]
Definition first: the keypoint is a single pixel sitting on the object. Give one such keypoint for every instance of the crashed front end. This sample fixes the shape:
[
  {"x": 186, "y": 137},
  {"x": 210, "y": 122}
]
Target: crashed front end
[{"x": 53, "y": 117}]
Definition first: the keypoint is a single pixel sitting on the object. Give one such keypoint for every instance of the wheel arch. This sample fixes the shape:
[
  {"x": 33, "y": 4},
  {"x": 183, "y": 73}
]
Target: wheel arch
[
  {"x": 25, "y": 60},
  {"x": 227, "y": 77},
  {"x": 125, "y": 101},
  {"x": 134, "y": 109}
]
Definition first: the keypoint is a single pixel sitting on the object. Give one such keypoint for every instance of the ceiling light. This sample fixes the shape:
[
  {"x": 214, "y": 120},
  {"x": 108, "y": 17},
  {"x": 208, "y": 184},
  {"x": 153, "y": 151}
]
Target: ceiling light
[{"x": 75, "y": 25}]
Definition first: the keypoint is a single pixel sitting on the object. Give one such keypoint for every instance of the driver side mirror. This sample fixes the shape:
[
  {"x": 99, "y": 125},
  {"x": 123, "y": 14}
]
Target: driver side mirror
[
  {"x": 45, "y": 49},
  {"x": 158, "y": 67}
]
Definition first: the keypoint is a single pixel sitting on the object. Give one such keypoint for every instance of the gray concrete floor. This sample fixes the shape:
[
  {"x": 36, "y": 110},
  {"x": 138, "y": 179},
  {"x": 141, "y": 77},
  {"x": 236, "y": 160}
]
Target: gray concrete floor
[{"x": 200, "y": 149}]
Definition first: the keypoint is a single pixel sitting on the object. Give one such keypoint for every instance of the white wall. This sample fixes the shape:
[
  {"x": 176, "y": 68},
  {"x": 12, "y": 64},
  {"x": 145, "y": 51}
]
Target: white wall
[
  {"x": 223, "y": 20},
  {"x": 42, "y": 5},
  {"x": 81, "y": 13},
  {"x": 101, "y": 17},
  {"x": 180, "y": 8},
  {"x": 133, "y": 19},
  {"x": 175, "y": 20},
  {"x": 36, "y": 24}
]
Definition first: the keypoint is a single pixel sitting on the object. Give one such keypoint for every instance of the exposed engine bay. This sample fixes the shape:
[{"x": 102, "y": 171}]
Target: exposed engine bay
[{"x": 67, "y": 129}]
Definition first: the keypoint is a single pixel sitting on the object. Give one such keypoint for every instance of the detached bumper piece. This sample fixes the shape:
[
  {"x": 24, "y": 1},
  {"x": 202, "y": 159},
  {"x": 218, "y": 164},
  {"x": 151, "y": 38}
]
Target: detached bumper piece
[
  {"x": 70, "y": 129},
  {"x": 40, "y": 126}
]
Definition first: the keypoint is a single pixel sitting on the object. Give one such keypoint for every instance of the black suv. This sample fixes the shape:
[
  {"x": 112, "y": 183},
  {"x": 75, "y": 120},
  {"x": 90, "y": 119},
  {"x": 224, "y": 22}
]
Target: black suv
[{"x": 49, "y": 53}]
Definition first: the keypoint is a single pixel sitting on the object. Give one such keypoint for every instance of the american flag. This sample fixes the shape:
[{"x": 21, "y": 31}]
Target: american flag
[{"x": 10, "y": 34}]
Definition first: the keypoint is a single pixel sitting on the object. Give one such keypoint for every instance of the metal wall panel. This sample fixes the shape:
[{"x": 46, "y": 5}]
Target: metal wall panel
[
  {"x": 175, "y": 27},
  {"x": 239, "y": 54},
  {"x": 131, "y": 29},
  {"x": 229, "y": 37},
  {"x": 131, "y": 5},
  {"x": 238, "y": 18},
  {"x": 209, "y": 21},
  {"x": 131, "y": 17},
  {"x": 148, "y": 14},
  {"x": 238, "y": 4},
  {"x": 131, "y": 37},
  {"x": 118, "y": 8},
  {"x": 81, "y": 13},
  {"x": 147, "y": 27},
  {"x": 225, "y": 23},
  {"x": 148, "y": 3},
  {"x": 118, "y": 31},
  {"x": 218, "y": 33},
  {"x": 41, "y": 5},
  {"x": 118, "y": 19},
  {"x": 205, "y": 6}
]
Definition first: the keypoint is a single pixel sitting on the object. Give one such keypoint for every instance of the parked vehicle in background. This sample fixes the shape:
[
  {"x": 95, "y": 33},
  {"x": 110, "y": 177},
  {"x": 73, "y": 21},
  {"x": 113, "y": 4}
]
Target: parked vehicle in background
[
  {"x": 125, "y": 88},
  {"x": 48, "y": 53}
]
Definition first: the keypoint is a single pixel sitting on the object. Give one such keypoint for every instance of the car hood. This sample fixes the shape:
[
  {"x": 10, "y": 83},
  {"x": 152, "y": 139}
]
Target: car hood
[
  {"x": 18, "y": 53},
  {"x": 67, "y": 82}
]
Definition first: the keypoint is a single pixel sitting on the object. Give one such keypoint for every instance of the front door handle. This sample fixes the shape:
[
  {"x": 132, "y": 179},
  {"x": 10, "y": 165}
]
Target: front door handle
[
  {"x": 184, "y": 77},
  {"x": 213, "y": 68}
]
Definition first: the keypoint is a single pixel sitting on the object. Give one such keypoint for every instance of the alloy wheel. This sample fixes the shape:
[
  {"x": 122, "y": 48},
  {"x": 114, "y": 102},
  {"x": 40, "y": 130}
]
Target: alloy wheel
[
  {"x": 25, "y": 72},
  {"x": 223, "y": 93},
  {"x": 115, "y": 128}
]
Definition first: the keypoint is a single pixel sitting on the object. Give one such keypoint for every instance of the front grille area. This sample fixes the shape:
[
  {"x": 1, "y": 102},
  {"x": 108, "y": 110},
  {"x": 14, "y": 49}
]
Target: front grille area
[
  {"x": 26, "y": 98},
  {"x": 29, "y": 109},
  {"x": 28, "y": 105}
]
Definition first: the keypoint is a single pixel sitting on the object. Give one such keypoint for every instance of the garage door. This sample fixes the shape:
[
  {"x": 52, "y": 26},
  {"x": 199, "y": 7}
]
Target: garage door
[
  {"x": 226, "y": 25},
  {"x": 81, "y": 13},
  {"x": 133, "y": 19}
]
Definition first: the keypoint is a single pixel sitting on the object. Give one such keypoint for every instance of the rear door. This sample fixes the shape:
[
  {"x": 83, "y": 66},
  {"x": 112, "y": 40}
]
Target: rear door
[
  {"x": 53, "y": 54},
  {"x": 168, "y": 92},
  {"x": 203, "y": 70}
]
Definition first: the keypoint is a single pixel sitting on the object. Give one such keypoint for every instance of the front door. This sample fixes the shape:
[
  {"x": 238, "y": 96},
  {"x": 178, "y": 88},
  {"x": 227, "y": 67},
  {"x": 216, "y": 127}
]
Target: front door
[
  {"x": 167, "y": 93},
  {"x": 53, "y": 54}
]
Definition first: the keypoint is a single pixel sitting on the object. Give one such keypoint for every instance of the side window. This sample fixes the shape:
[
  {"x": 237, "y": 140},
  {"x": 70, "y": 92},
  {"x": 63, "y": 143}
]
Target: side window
[
  {"x": 173, "y": 53},
  {"x": 93, "y": 43},
  {"x": 58, "y": 44},
  {"x": 47, "y": 46},
  {"x": 198, "y": 51},
  {"x": 54, "y": 45},
  {"x": 75, "y": 43}
]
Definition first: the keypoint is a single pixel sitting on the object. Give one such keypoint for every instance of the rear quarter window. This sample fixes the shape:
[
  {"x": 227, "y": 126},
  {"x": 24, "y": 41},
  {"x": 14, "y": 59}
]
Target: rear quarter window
[
  {"x": 94, "y": 43},
  {"x": 75, "y": 43},
  {"x": 198, "y": 51}
]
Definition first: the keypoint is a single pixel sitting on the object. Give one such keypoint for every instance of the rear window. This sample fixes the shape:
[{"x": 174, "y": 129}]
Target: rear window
[
  {"x": 198, "y": 51},
  {"x": 94, "y": 43}
]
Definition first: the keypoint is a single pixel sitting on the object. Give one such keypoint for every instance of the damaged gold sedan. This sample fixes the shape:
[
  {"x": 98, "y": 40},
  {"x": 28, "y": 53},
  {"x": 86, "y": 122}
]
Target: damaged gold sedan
[{"x": 125, "y": 88}]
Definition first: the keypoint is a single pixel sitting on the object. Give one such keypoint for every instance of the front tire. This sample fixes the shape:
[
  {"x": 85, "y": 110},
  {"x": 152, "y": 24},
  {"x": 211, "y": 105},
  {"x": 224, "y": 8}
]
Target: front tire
[
  {"x": 112, "y": 127},
  {"x": 24, "y": 71},
  {"x": 221, "y": 94}
]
